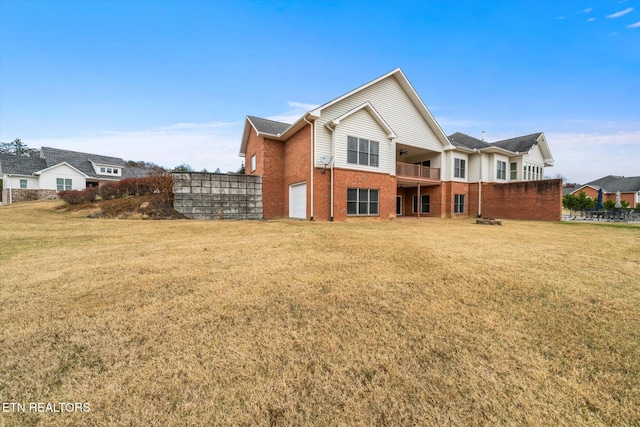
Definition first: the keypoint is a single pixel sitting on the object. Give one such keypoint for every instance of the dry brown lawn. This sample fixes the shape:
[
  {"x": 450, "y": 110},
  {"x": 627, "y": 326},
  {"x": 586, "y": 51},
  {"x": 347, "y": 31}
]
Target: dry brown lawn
[{"x": 430, "y": 322}]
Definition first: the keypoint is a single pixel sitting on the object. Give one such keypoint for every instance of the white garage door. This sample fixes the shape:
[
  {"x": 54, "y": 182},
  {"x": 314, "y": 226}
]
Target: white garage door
[{"x": 298, "y": 201}]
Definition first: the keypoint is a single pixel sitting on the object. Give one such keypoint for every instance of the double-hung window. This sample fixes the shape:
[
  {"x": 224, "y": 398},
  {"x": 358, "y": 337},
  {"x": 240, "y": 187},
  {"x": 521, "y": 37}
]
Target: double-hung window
[
  {"x": 424, "y": 203},
  {"x": 23, "y": 183},
  {"x": 458, "y": 203},
  {"x": 362, "y": 151},
  {"x": 459, "y": 168},
  {"x": 501, "y": 170},
  {"x": 513, "y": 171},
  {"x": 63, "y": 184},
  {"x": 362, "y": 201}
]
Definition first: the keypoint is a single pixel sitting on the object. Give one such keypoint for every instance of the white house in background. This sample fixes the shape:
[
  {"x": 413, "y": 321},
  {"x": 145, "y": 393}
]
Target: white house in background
[{"x": 31, "y": 178}]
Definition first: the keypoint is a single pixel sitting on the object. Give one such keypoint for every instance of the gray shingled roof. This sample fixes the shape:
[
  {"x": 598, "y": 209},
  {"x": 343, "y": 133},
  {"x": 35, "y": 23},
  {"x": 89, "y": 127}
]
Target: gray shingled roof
[
  {"x": 81, "y": 161},
  {"x": 612, "y": 183},
  {"x": 21, "y": 165},
  {"x": 520, "y": 144},
  {"x": 268, "y": 126},
  {"x": 460, "y": 139}
]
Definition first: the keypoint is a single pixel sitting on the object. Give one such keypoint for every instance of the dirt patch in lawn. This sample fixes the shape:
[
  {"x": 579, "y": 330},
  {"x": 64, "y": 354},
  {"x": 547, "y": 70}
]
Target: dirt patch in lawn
[{"x": 155, "y": 206}]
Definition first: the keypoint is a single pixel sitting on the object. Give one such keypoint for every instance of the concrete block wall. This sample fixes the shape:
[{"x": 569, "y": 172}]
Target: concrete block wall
[{"x": 199, "y": 195}]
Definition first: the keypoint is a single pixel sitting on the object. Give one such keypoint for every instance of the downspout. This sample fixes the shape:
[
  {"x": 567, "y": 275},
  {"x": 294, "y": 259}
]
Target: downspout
[
  {"x": 333, "y": 158},
  {"x": 480, "y": 189},
  {"x": 10, "y": 194},
  {"x": 312, "y": 163}
]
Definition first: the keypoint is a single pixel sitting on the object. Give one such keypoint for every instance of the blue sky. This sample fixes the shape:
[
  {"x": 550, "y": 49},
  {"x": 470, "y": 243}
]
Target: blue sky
[{"x": 171, "y": 82}]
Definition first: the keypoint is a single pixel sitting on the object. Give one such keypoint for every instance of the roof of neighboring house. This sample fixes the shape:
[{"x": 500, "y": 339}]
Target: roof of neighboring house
[
  {"x": 520, "y": 144},
  {"x": 49, "y": 157},
  {"x": 460, "y": 139},
  {"x": 270, "y": 127},
  {"x": 20, "y": 165},
  {"x": 612, "y": 184},
  {"x": 80, "y": 161}
]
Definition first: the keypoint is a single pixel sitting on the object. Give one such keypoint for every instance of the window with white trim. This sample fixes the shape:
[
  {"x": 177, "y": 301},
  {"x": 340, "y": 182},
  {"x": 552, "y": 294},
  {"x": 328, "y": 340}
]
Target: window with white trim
[
  {"x": 424, "y": 203},
  {"x": 458, "y": 203},
  {"x": 362, "y": 201},
  {"x": 459, "y": 168},
  {"x": 253, "y": 163},
  {"x": 501, "y": 170},
  {"x": 23, "y": 184},
  {"x": 63, "y": 184},
  {"x": 514, "y": 171},
  {"x": 362, "y": 151}
]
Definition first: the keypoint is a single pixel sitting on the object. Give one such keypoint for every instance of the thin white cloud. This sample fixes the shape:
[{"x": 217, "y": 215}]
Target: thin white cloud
[
  {"x": 619, "y": 14},
  {"x": 591, "y": 19},
  {"x": 636, "y": 25},
  {"x": 296, "y": 110},
  {"x": 587, "y": 10},
  {"x": 584, "y": 157}
]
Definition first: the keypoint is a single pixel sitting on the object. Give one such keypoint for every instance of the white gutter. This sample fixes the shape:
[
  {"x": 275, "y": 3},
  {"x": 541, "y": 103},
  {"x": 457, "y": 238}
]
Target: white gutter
[
  {"x": 333, "y": 158},
  {"x": 480, "y": 189},
  {"x": 10, "y": 194},
  {"x": 312, "y": 162}
]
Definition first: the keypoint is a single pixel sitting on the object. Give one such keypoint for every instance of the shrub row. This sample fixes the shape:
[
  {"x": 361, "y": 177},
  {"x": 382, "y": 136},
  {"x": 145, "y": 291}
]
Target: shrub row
[{"x": 154, "y": 184}]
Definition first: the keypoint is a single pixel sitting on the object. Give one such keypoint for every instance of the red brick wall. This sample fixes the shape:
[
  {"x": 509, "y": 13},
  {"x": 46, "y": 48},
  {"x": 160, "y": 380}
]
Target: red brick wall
[
  {"x": 588, "y": 191},
  {"x": 434, "y": 193},
  {"x": 269, "y": 165},
  {"x": 451, "y": 188},
  {"x": 297, "y": 155},
  {"x": 528, "y": 200},
  {"x": 344, "y": 179}
]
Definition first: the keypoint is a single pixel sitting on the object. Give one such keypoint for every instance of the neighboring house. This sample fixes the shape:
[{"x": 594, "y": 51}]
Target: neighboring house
[
  {"x": 629, "y": 188},
  {"x": 29, "y": 178},
  {"x": 378, "y": 151}
]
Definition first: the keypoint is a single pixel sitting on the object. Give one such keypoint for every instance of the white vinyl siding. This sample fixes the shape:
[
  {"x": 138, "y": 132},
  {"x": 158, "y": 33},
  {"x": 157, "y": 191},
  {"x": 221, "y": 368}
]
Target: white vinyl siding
[
  {"x": 398, "y": 111},
  {"x": 364, "y": 127},
  {"x": 48, "y": 178}
]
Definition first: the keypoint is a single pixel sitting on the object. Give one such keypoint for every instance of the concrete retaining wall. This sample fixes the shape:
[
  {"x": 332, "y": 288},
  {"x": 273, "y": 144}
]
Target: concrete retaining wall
[{"x": 200, "y": 195}]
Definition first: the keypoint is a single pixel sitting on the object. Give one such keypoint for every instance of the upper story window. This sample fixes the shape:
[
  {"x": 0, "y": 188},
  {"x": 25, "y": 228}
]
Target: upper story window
[
  {"x": 459, "y": 168},
  {"x": 106, "y": 170},
  {"x": 513, "y": 171},
  {"x": 362, "y": 151},
  {"x": 253, "y": 163},
  {"x": 501, "y": 171}
]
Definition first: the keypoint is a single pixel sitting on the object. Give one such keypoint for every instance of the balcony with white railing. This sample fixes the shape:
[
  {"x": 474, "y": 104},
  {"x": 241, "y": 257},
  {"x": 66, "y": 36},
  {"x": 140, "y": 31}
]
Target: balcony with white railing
[{"x": 417, "y": 172}]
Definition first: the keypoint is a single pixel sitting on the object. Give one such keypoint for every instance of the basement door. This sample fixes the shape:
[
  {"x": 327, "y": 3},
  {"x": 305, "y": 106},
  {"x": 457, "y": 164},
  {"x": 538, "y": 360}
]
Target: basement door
[{"x": 298, "y": 201}]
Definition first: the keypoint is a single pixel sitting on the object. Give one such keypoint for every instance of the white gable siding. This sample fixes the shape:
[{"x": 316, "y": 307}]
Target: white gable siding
[
  {"x": 362, "y": 125},
  {"x": 395, "y": 107},
  {"x": 534, "y": 156},
  {"x": 48, "y": 178}
]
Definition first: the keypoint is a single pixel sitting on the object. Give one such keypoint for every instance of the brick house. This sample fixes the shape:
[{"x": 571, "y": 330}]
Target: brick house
[
  {"x": 629, "y": 188},
  {"x": 377, "y": 151},
  {"x": 31, "y": 178}
]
